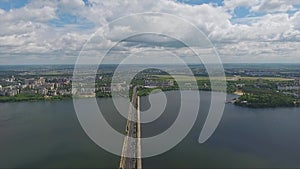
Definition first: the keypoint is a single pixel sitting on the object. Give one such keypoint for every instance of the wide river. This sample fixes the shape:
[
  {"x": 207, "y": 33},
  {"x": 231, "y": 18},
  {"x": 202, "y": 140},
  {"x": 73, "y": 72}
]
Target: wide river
[{"x": 48, "y": 135}]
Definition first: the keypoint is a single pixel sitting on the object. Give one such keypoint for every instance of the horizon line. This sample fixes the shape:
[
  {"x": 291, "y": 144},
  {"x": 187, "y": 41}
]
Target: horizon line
[{"x": 42, "y": 64}]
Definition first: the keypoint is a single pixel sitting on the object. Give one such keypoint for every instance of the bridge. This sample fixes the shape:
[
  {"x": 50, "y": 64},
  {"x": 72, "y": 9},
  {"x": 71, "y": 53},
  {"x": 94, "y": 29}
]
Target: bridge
[{"x": 132, "y": 142}]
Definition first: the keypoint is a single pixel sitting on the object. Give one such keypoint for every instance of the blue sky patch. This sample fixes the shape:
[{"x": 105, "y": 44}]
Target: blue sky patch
[
  {"x": 68, "y": 19},
  {"x": 241, "y": 12},
  {"x": 199, "y": 2},
  {"x": 7, "y": 5},
  {"x": 64, "y": 19}
]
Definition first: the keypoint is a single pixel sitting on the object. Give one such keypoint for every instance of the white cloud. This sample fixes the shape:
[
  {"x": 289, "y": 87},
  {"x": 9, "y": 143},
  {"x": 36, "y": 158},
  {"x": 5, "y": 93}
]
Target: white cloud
[
  {"x": 28, "y": 14},
  {"x": 249, "y": 51},
  {"x": 262, "y": 5},
  {"x": 27, "y": 30},
  {"x": 296, "y": 20},
  {"x": 232, "y": 4},
  {"x": 2, "y": 11},
  {"x": 272, "y": 6}
]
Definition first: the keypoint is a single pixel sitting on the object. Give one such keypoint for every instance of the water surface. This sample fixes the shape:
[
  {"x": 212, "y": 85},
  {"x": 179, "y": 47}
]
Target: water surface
[{"x": 48, "y": 135}]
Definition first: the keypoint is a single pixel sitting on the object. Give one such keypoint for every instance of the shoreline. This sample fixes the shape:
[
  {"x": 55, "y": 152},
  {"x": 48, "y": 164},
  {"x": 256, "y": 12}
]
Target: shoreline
[
  {"x": 144, "y": 93},
  {"x": 12, "y": 99}
]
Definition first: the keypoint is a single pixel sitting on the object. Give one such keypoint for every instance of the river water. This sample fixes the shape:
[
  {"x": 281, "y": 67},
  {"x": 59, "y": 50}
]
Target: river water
[{"x": 48, "y": 135}]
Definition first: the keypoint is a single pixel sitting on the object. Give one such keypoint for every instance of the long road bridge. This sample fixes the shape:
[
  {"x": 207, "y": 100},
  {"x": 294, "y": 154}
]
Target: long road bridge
[{"x": 132, "y": 142}]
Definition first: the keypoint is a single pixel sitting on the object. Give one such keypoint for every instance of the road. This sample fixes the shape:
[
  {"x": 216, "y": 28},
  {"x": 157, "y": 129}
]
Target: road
[{"x": 131, "y": 145}]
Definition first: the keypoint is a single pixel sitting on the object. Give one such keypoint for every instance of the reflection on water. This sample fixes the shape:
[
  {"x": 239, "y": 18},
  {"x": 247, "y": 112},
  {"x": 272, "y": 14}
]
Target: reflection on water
[{"x": 47, "y": 134}]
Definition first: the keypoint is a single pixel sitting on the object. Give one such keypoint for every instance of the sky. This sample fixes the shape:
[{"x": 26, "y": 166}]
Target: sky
[{"x": 55, "y": 31}]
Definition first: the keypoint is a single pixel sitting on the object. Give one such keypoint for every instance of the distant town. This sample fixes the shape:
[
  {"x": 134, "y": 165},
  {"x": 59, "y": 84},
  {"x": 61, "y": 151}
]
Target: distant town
[
  {"x": 44, "y": 86},
  {"x": 257, "y": 85}
]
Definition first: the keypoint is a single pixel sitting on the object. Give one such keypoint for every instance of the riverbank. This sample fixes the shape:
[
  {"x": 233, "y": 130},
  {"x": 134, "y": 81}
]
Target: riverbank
[
  {"x": 266, "y": 100},
  {"x": 28, "y": 98},
  {"x": 258, "y": 100}
]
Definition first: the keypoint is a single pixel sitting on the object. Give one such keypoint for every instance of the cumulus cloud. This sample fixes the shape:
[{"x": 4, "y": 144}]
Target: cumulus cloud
[
  {"x": 296, "y": 21},
  {"x": 232, "y": 4},
  {"x": 62, "y": 27},
  {"x": 262, "y": 5},
  {"x": 272, "y": 5}
]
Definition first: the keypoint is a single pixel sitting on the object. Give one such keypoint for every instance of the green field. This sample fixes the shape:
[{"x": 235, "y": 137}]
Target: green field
[
  {"x": 189, "y": 78},
  {"x": 267, "y": 78}
]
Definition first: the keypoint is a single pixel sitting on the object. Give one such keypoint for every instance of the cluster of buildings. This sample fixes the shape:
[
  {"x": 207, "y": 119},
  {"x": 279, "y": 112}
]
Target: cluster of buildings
[
  {"x": 42, "y": 86},
  {"x": 291, "y": 89},
  {"x": 8, "y": 91}
]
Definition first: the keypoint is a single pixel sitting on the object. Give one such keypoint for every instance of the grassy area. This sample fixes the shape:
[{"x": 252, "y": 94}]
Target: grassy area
[
  {"x": 184, "y": 77},
  {"x": 147, "y": 91},
  {"x": 31, "y": 97},
  {"x": 253, "y": 93},
  {"x": 267, "y": 78},
  {"x": 267, "y": 100},
  {"x": 189, "y": 78}
]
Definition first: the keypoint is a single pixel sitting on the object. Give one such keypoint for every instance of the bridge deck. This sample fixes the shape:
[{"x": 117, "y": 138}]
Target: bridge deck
[{"x": 132, "y": 143}]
